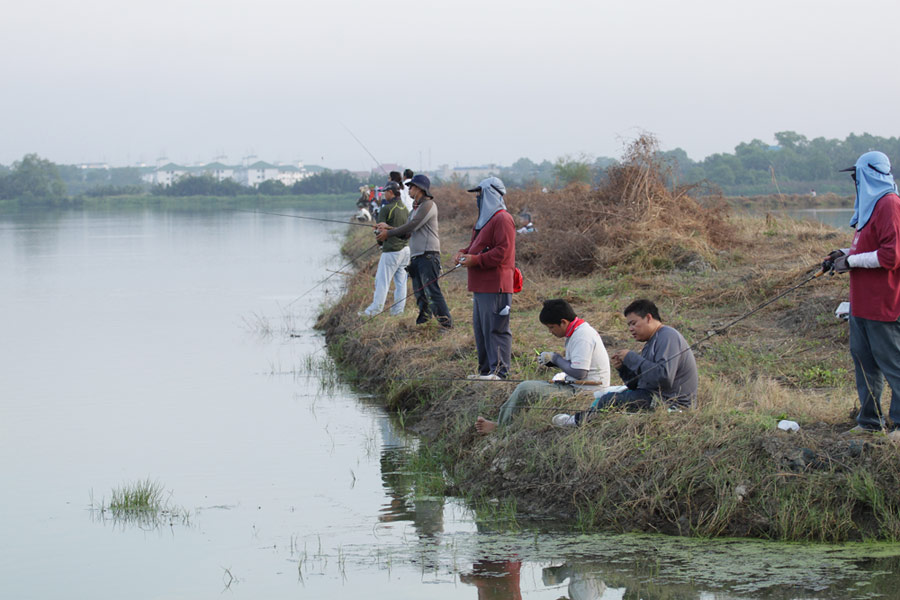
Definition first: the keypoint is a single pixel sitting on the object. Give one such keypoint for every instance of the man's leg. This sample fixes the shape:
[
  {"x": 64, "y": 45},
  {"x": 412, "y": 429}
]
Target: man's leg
[
  {"x": 479, "y": 318},
  {"x": 398, "y": 265},
  {"x": 869, "y": 381},
  {"x": 419, "y": 290},
  {"x": 499, "y": 341},
  {"x": 527, "y": 393},
  {"x": 884, "y": 342},
  {"x": 631, "y": 400},
  {"x": 382, "y": 282},
  {"x": 429, "y": 271}
]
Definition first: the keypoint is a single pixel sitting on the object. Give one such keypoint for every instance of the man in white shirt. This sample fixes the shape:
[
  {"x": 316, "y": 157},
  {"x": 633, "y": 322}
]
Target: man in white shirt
[{"x": 585, "y": 366}]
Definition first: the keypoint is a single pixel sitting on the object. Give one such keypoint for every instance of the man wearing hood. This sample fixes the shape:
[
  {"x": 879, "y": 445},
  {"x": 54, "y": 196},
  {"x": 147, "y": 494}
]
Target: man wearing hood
[
  {"x": 490, "y": 259},
  {"x": 873, "y": 261}
]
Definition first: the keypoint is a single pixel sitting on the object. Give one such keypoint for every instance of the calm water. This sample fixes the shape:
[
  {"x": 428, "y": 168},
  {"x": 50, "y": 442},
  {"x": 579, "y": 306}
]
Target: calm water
[{"x": 134, "y": 347}]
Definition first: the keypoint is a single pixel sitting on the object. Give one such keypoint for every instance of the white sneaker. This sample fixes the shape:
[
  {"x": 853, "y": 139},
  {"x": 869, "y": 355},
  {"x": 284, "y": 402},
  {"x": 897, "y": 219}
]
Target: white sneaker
[
  {"x": 563, "y": 420},
  {"x": 491, "y": 377}
]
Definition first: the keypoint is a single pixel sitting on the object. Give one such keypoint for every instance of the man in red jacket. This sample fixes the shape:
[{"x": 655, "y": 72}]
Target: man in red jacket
[
  {"x": 490, "y": 259},
  {"x": 873, "y": 261}
]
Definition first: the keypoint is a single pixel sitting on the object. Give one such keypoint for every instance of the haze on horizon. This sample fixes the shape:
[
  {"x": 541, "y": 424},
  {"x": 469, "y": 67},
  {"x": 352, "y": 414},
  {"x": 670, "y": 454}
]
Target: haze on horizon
[{"x": 425, "y": 83}]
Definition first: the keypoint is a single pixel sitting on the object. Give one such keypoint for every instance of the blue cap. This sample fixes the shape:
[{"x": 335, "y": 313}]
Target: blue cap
[{"x": 423, "y": 183}]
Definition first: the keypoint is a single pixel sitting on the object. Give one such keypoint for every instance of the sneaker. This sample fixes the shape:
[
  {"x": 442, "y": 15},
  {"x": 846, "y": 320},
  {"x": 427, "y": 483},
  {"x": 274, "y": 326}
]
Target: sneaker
[
  {"x": 491, "y": 377},
  {"x": 894, "y": 436},
  {"x": 563, "y": 420}
]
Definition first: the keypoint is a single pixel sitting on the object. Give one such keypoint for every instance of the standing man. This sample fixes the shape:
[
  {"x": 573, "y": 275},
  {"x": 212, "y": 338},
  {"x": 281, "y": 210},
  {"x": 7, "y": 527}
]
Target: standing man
[
  {"x": 394, "y": 256},
  {"x": 874, "y": 264},
  {"x": 490, "y": 259},
  {"x": 404, "y": 191},
  {"x": 424, "y": 251}
]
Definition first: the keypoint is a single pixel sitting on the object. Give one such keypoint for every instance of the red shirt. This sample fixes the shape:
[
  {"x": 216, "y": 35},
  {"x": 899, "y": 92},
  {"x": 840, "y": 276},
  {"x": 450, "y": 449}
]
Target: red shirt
[
  {"x": 493, "y": 251},
  {"x": 875, "y": 293}
]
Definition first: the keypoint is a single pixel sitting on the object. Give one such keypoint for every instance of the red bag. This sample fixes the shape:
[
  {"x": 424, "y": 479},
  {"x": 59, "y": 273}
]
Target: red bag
[{"x": 517, "y": 281}]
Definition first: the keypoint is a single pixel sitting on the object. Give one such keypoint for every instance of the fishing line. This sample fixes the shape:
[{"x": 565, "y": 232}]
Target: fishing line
[
  {"x": 352, "y": 260},
  {"x": 377, "y": 162},
  {"x": 262, "y": 212}
]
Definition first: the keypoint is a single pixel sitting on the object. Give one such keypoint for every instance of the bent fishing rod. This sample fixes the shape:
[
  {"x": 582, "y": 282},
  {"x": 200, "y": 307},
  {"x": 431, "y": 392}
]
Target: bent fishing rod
[{"x": 358, "y": 141}]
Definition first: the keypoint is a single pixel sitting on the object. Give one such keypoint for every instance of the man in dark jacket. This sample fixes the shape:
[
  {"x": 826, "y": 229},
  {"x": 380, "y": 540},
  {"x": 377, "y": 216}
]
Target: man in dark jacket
[{"x": 490, "y": 259}]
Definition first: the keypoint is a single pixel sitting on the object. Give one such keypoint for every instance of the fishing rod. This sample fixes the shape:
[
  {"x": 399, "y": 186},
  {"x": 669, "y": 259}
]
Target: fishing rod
[
  {"x": 358, "y": 141},
  {"x": 352, "y": 260},
  {"x": 424, "y": 285},
  {"x": 262, "y": 212}
]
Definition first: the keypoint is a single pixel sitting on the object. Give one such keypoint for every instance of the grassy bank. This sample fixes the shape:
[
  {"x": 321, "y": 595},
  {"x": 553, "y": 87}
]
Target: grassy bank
[{"x": 723, "y": 469}]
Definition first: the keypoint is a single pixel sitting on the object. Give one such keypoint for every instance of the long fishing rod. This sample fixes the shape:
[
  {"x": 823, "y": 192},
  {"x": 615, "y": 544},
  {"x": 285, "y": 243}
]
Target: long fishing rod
[
  {"x": 262, "y": 212},
  {"x": 358, "y": 141},
  {"x": 352, "y": 260}
]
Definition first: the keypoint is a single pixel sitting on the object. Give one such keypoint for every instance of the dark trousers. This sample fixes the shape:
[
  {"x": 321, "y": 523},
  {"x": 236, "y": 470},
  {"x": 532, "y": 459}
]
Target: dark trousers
[
  {"x": 875, "y": 347},
  {"x": 493, "y": 338},
  {"x": 632, "y": 400},
  {"x": 424, "y": 271}
]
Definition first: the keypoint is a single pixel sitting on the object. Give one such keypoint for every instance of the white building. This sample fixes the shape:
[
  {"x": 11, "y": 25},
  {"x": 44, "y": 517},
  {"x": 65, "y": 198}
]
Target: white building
[{"x": 165, "y": 175}]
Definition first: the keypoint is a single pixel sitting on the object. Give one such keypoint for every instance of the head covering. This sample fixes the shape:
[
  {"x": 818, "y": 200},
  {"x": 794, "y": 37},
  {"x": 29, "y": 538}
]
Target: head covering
[
  {"x": 873, "y": 180},
  {"x": 490, "y": 199},
  {"x": 423, "y": 183},
  {"x": 391, "y": 186}
]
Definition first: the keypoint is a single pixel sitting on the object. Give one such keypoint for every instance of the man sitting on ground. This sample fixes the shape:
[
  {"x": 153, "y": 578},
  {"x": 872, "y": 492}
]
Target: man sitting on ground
[
  {"x": 585, "y": 364},
  {"x": 665, "y": 370}
]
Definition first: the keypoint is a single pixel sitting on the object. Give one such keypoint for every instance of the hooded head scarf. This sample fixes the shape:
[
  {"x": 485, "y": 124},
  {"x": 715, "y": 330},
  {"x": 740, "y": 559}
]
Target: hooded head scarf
[
  {"x": 490, "y": 200},
  {"x": 873, "y": 180}
]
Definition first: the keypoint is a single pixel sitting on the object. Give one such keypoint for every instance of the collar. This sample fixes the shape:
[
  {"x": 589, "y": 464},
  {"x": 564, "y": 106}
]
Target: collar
[{"x": 575, "y": 324}]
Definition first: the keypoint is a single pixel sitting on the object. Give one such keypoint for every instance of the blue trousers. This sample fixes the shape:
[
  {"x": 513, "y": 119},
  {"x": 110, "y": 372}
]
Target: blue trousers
[
  {"x": 493, "y": 338},
  {"x": 875, "y": 347}
]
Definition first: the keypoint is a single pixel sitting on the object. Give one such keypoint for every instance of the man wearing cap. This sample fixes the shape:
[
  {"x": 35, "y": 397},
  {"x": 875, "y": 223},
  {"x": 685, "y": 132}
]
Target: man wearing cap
[
  {"x": 394, "y": 255},
  {"x": 490, "y": 259},
  {"x": 424, "y": 251},
  {"x": 873, "y": 261}
]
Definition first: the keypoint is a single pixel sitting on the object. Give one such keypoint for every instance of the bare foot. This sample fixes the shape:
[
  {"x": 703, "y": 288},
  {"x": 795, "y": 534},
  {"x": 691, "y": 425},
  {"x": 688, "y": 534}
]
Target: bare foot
[{"x": 483, "y": 426}]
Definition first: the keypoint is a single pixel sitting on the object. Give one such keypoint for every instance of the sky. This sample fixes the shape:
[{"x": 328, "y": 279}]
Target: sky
[{"x": 425, "y": 83}]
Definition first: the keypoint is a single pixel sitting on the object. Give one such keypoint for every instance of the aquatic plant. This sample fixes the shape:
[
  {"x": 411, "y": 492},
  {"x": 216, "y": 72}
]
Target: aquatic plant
[{"x": 143, "y": 503}]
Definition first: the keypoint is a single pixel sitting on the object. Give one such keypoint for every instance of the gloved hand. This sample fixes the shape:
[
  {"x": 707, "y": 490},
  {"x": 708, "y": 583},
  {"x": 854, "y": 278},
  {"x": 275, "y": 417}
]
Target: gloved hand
[
  {"x": 545, "y": 358},
  {"x": 828, "y": 263},
  {"x": 841, "y": 265}
]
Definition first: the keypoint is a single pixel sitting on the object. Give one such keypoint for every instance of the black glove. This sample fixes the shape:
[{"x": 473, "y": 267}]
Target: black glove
[
  {"x": 840, "y": 264},
  {"x": 828, "y": 263}
]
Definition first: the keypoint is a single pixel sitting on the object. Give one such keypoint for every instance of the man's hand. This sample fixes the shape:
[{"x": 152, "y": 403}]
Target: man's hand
[
  {"x": 464, "y": 260},
  {"x": 828, "y": 263},
  {"x": 381, "y": 234},
  {"x": 841, "y": 265},
  {"x": 545, "y": 358},
  {"x": 618, "y": 358}
]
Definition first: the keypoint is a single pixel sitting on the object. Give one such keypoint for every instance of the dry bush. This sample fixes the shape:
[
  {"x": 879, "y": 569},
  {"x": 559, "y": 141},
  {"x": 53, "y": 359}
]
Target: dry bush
[{"x": 635, "y": 219}]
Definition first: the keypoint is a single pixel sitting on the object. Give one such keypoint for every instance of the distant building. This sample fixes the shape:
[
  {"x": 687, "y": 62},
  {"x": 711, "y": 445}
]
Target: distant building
[
  {"x": 467, "y": 175},
  {"x": 249, "y": 175}
]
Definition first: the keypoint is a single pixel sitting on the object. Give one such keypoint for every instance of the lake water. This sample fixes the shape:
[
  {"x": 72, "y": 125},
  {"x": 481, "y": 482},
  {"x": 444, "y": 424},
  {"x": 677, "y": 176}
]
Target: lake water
[{"x": 164, "y": 346}]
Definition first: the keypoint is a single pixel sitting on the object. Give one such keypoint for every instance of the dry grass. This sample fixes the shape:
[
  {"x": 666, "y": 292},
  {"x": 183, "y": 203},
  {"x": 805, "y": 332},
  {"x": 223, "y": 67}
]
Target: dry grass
[{"x": 722, "y": 469}]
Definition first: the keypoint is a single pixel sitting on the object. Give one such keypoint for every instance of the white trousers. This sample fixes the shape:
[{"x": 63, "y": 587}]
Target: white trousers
[{"x": 392, "y": 265}]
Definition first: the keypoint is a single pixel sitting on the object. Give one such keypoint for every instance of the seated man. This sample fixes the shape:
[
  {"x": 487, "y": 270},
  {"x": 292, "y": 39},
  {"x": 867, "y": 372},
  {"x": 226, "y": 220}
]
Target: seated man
[
  {"x": 585, "y": 365},
  {"x": 664, "y": 370}
]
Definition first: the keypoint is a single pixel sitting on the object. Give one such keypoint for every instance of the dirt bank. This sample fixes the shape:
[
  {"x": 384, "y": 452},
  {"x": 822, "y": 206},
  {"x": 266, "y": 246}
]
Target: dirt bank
[{"x": 723, "y": 469}]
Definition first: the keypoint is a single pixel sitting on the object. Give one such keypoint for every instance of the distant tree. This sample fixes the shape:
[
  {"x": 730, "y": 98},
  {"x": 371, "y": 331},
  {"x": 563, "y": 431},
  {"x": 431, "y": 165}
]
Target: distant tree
[
  {"x": 273, "y": 187},
  {"x": 327, "y": 182},
  {"x": 33, "y": 180},
  {"x": 568, "y": 170}
]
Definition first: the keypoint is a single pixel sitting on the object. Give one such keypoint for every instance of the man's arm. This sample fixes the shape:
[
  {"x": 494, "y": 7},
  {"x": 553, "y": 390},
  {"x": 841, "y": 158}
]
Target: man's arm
[
  {"x": 422, "y": 215},
  {"x": 657, "y": 371},
  {"x": 566, "y": 366},
  {"x": 503, "y": 235}
]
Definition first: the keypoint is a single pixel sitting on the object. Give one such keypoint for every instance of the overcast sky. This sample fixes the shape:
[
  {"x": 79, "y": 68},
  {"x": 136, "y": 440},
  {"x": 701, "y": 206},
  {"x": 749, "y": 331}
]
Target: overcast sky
[{"x": 421, "y": 83}]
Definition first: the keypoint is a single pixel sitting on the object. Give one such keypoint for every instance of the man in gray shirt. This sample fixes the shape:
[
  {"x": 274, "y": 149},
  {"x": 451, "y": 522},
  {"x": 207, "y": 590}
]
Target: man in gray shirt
[
  {"x": 665, "y": 370},
  {"x": 424, "y": 251}
]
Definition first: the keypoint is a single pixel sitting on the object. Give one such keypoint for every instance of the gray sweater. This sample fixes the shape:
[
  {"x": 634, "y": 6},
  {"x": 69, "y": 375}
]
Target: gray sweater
[
  {"x": 665, "y": 366},
  {"x": 422, "y": 228}
]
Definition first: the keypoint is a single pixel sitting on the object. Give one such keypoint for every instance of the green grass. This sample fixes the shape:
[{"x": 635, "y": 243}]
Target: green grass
[{"x": 143, "y": 503}]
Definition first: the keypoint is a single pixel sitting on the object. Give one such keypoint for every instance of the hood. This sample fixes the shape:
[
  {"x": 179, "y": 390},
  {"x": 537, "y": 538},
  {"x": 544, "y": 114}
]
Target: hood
[
  {"x": 490, "y": 200},
  {"x": 873, "y": 180}
]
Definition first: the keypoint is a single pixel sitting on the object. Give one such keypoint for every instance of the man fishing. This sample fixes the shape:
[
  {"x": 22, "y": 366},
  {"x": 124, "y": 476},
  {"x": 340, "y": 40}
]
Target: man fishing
[
  {"x": 585, "y": 366},
  {"x": 665, "y": 370},
  {"x": 424, "y": 251},
  {"x": 873, "y": 261},
  {"x": 394, "y": 255},
  {"x": 490, "y": 259}
]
